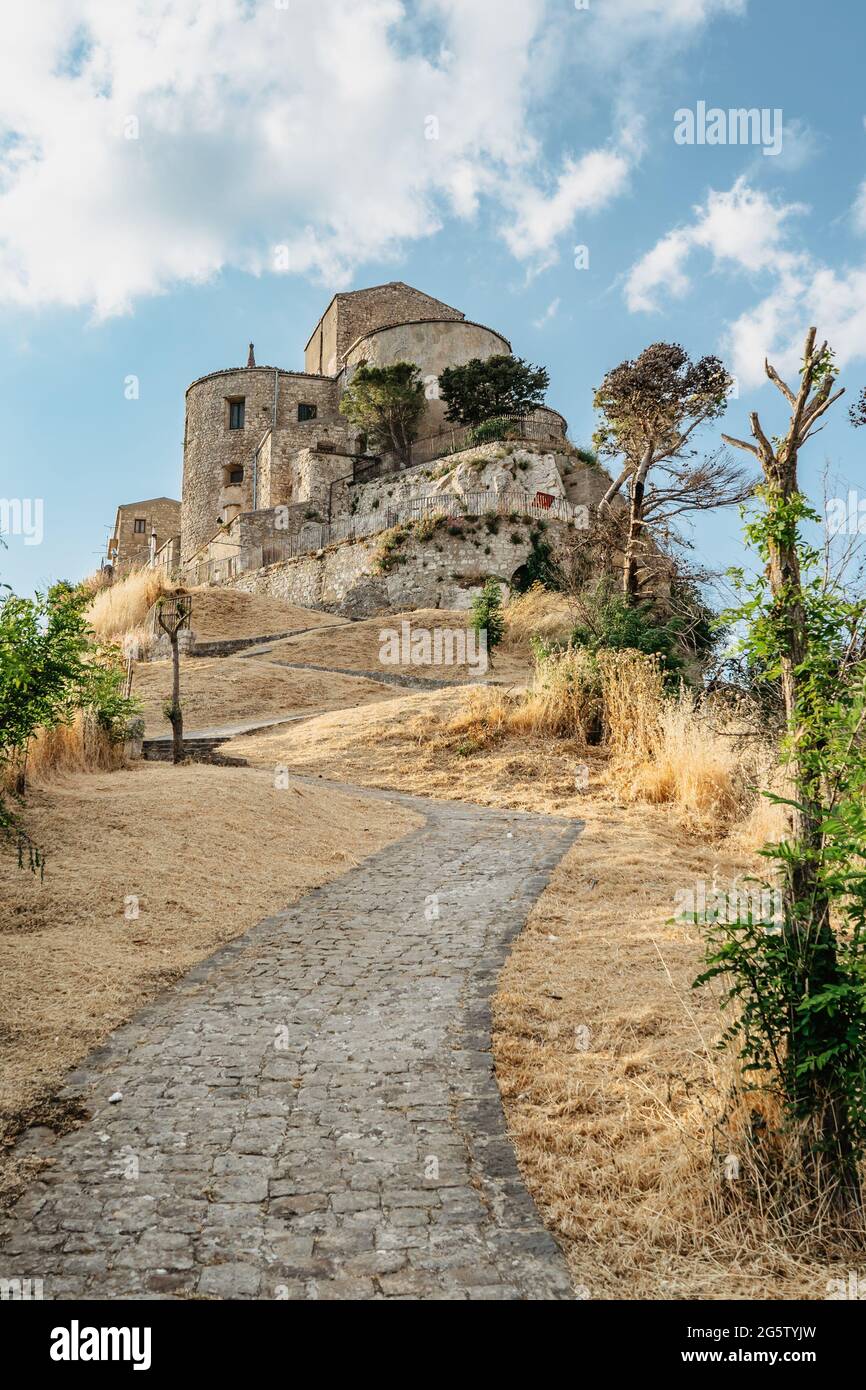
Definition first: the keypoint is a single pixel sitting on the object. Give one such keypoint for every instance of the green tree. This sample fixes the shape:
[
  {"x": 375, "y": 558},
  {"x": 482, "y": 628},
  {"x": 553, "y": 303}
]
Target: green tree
[
  {"x": 49, "y": 669},
  {"x": 387, "y": 404},
  {"x": 487, "y": 614},
  {"x": 649, "y": 410},
  {"x": 612, "y": 622},
  {"x": 489, "y": 389},
  {"x": 799, "y": 988}
]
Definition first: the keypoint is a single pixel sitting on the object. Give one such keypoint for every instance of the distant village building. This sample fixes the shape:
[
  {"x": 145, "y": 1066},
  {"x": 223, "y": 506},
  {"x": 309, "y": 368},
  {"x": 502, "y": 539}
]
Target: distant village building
[{"x": 141, "y": 530}]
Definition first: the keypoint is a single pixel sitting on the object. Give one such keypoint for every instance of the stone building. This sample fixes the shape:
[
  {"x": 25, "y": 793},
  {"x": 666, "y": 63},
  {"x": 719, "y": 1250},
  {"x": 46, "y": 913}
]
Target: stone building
[
  {"x": 141, "y": 530},
  {"x": 258, "y": 438}
]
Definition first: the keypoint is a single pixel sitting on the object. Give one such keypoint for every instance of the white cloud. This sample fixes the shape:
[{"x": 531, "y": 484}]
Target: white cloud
[
  {"x": 620, "y": 25},
  {"x": 303, "y": 127},
  {"x": 585, "y": 185},
  {"x": 742, "y": 226},
  {"x": 663, "y": 266},
  {"x": 745, "y": 231},
  {"x": 550, "y": 313}
]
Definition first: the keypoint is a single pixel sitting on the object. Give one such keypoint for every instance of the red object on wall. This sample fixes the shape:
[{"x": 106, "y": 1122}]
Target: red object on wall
[{"x": 544, "y": 499}]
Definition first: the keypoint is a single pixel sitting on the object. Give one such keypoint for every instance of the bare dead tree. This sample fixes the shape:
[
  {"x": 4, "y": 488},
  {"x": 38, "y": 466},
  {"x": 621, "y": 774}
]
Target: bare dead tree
[
  {"x": 778, "y": 459},
  {"x": 172, "y": 614}
]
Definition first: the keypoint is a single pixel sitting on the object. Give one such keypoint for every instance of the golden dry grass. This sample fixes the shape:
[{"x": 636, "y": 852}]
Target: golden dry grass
[
  {"x": 537, "y": 613},
  {"x": 220, "y": 614},
  {"x": 207, "y": 851},
  {"x": 120, "y": 609},
  {"x": 420, "y": 743},
  {"x": 357, "y": 647},
  {"x": 614, "y": 1126},
  {"x": 80, "y": 746},
  {"x": 227, "y": 690}
]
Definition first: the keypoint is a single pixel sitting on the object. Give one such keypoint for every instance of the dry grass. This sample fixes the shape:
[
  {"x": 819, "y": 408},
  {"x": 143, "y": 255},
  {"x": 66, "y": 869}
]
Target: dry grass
[
  {"x": 663, "y": 749},
  {"x": 537, "y": 613},
  {"x": 220, "y": 614},
  {"x": 356, "y": 647},
  {"x": 615, "y": 1127},
  {"x": 181, "y": 840},
  {"x": 119, "y": 610},
  {"x": 80, "y": 746},
  {"x": 226, "y": 690}
]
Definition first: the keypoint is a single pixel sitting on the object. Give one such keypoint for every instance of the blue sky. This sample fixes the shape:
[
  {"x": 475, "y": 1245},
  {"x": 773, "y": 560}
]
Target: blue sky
[{"x": 154, "y": 155}]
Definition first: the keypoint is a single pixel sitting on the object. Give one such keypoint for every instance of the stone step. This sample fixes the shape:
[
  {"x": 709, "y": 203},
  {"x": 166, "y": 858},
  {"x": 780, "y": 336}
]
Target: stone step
[{"x": 202, "y": 750}]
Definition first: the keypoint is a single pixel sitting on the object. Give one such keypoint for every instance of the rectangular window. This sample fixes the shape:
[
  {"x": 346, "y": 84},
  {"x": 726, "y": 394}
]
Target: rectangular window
[
  {"x": 236, "y": 415},
  {"x": 236, "y": 475},
  {"x": 138, "y": 526},
  {"x": 306, "y": 412}
]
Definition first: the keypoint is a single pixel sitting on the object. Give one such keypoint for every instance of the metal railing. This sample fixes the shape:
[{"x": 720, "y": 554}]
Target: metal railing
[
  {"x": 540, "y": 429},
  {"x": 315, "y": 536}
]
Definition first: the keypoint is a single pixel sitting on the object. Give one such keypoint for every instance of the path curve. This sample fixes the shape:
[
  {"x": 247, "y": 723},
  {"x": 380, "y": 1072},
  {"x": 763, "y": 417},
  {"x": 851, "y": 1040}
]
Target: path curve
[{"x": 312, "y": 1112}]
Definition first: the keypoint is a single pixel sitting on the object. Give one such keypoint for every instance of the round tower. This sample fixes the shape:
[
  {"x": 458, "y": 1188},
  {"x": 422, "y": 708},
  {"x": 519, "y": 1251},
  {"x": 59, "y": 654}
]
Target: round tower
[
  {"x": 433, "y": 345},
  {"x": 229, "y": 463}
]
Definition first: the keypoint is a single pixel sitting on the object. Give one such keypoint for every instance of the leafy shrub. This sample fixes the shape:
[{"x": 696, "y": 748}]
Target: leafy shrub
[
  {"x": 498, "y": 428},
  {"x": 620, "y": 626},
  {"x": 388, "y": 554},
  {"x": 487, "y": 613}
]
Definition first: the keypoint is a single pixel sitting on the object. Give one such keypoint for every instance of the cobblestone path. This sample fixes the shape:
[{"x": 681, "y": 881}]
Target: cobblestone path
[{"x": 312, "y": 1112}]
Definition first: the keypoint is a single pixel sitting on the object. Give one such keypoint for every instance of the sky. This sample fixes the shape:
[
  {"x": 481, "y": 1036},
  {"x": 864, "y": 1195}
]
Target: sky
[{"x": 179, "y": 178}]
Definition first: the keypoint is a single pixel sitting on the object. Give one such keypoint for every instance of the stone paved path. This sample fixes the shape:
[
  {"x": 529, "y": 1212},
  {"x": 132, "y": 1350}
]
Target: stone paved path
[{"x": 312, "y": 1112}]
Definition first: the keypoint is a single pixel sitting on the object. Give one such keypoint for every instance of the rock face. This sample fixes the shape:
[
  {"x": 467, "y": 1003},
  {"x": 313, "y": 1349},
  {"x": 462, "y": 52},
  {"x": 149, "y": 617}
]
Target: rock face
[{"x": 442, "y": 569}]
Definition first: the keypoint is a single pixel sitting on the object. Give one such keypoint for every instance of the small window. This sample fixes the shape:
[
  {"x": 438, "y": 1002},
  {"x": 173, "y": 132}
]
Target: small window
[
  {"x": 236, "y": 475},
  {"x": 138, "y": 526},
  {"x": 307, "y": 412},
  {"x": 236, "y": 415}
]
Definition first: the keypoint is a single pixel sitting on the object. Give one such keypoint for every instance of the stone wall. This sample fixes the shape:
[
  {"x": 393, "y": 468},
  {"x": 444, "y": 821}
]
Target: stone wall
[
  {"x": 486, "y": 468},
  {"x": 433, "y": 345},
  {"x": 168, "y": 556},
  {"x": 351, "y": 315},
  {"x": 445, "y": 569},
  {"x": 212, "y": 449},
  {"x": 129, "y": 548}
]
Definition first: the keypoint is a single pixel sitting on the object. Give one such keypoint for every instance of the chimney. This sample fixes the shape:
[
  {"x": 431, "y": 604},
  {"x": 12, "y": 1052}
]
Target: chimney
[{"x": 251, "y": 359}]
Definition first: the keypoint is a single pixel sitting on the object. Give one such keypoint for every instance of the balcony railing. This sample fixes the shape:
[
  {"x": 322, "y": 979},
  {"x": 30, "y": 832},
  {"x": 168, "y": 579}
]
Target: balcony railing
[{"x": 315, "y": 536}]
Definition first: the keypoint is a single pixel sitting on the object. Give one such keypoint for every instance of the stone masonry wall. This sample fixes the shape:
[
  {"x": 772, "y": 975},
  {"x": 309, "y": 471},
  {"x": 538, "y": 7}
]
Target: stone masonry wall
[
  {"x": 486, "y": 468},
  {"x": 161, "y": 514},
  {"x": 212, "y": 448},
  {"x": 444, "y": 570},
  {"x": 351, "y": 315}
]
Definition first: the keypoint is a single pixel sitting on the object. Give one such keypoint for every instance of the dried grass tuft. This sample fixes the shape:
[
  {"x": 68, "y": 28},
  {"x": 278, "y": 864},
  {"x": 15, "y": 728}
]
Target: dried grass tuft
[{"x": 121, "y": 608}]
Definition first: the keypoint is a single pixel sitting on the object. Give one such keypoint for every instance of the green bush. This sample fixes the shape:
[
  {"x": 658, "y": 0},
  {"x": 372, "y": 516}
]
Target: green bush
[
  {"x": 487, "y": 614},
  {"x": 498, "y": 428},
  {"x": 50, "y": 668},
  {"x": 620, "y": 626}
]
